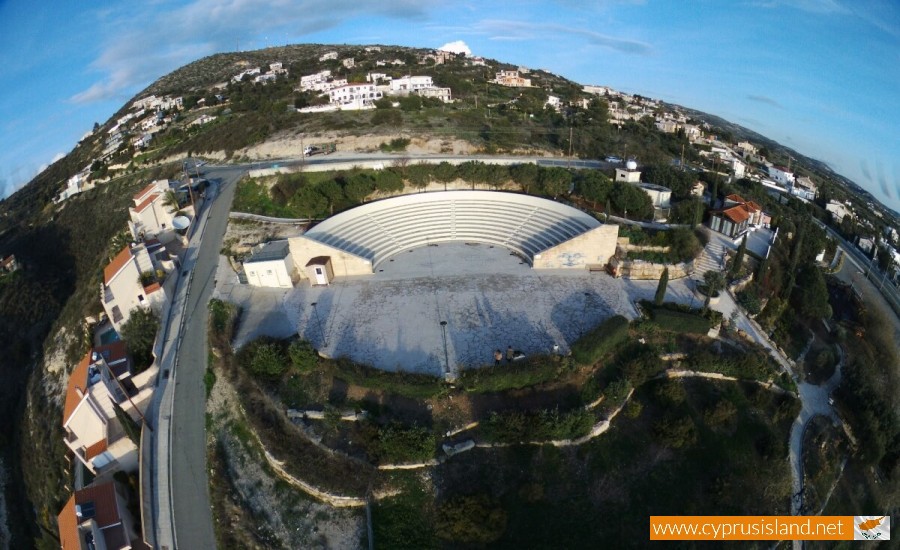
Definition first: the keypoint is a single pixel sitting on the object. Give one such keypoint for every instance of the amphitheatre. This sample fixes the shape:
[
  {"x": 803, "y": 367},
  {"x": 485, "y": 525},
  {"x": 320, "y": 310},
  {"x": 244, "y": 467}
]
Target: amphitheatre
[{"x": 500, "y": 269}]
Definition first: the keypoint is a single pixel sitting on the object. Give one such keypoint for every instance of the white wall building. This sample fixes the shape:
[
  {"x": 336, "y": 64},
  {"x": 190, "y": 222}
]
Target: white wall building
[
  {"x": 149, "y": 217},
  {"x": 354, "y": 96},
  {"x": 122, "y": 291},
  {"x": 781, "y": 175},
  {"x": 408, "y": 84},
  {"x": 271, "y": 265},
  {"x": 444, "y": 94},
  {"x": 838, "y": 210}
]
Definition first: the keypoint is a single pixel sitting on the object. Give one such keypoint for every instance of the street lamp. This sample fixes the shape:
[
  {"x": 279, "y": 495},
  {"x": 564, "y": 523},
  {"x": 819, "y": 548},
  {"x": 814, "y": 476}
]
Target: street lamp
[
  {"x": 446, "y": 355},
  {"x": 319, "y": 322}
]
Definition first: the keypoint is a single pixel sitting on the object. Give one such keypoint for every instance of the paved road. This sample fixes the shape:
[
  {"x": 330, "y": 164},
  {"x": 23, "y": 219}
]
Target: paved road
[
  {"x": 347, "y": 157},
  {"x": 190, "y": 494}
]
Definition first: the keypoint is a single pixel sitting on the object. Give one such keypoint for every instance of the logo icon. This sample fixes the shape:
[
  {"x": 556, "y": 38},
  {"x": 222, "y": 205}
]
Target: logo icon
[{"x": 871, "y": 528}]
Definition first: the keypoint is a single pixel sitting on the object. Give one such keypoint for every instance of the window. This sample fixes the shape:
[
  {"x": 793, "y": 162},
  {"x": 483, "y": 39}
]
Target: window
[
  {"x": 116, "y": 314},
  {"x": 141, "y": 298}
]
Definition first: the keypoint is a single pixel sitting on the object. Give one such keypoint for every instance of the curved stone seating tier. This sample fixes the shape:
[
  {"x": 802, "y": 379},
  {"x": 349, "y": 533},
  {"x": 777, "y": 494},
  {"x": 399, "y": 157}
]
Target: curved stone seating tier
[{"x": 524, "y": 224}]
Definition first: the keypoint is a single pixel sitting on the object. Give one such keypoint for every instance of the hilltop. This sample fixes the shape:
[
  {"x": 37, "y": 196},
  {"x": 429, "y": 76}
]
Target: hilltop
[{"x": 61, "y": 225}]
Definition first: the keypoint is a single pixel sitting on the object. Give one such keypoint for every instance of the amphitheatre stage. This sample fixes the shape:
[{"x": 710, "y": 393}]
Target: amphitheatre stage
[{"x": 464, "y": 258}]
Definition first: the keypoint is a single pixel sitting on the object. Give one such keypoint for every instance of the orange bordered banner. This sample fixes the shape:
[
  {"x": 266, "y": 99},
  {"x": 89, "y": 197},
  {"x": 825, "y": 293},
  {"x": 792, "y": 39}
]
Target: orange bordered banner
[{"x": 770, "y": 527}]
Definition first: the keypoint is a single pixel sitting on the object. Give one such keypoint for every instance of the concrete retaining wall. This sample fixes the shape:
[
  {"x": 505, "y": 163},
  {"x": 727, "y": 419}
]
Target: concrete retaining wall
[{"x": 593, "y": 247}]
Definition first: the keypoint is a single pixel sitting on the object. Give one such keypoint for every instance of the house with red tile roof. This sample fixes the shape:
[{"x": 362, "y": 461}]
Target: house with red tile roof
[
  {"x": 149, "y": 217},
  {"x": 123, "y": 289},
  {"x": 737, "y": 217},
  {"x": 97, "y": 517},
  {"x": 93, "y": 433}
]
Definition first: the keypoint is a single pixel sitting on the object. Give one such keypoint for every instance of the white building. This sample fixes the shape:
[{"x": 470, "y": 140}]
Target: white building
[
  {"x": 348, "y": 63},
  {"x": 553, "y": 102},
  {"x": 328, "y": 56},
  {"x": 511, "y": 79},
  {"x": 781, "y": 175},
  {"x": 660, "y": 196},
  {"x": 406, "y": 84},
  {"x": 97, "y": 517},
  {"x": 122, "y": 289},
  {"x": 738, "y": 168},
  {"x": 630, "y": 174},
  {"x": 838, "y": 210},
  {"x": 149, "y": 217},
  {"x": 93, "y": 432},
  {"x": 271, "y": 265},
  {"x": 354, "y": 96},
  {"x": 444, "y": 94},
  {"x": 866, "y": 244}
]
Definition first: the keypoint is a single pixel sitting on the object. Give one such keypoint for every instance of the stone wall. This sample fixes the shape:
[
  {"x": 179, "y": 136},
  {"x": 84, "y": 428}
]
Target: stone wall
[
  {"x": 641, "y": 270},
  {"x": 592, "y": 248},
  {"x": 343, "y": 263}
]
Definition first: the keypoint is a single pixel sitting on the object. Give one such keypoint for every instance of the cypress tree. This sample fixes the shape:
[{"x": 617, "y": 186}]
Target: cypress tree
[
  {"x": 661, "y": 288},
  {"x": 738, "y": 258}
]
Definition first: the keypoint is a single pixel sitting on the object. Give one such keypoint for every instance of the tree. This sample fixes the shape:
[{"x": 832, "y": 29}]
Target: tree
[
  {"x": 388, "y": 181},
  {"x": 812, "y": 294},
  {"x": 630, "y": 200},
  {"x": 268, "y": 360},
  {"x": 303, "y": 356},
  {"x": 555, "y": 181},
  {"x": 525, "y": 175},
  {"x": 332, "y": 192},
  {"x": 358, "y": 186},
  {"x": 309, "y": 202},
  {"x": 738, "y": 259},
  {"x": 594, "y": 186},
  {"x": 470, "y": 519},
  {"x": 661, "y": 288},
  {"x": 715, "y": 282},
  {"x": 139, "y": 332},
  {"x": 286, "y": 187}
]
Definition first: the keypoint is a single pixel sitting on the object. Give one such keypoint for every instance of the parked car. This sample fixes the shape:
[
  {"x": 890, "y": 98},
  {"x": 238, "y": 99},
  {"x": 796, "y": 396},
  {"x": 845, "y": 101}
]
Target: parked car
[{"x": 614, "y": 159}]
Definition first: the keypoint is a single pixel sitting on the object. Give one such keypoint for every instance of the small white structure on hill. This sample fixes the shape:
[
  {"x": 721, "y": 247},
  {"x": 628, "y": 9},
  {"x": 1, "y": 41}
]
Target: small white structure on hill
[{"x": 271, "y": 265}]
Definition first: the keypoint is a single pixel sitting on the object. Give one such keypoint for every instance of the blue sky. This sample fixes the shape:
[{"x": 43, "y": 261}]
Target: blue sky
[{"x": 820, "y": 76}]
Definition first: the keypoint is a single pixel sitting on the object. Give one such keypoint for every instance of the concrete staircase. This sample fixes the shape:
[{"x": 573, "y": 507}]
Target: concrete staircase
[{"x": 711, "y": 259}]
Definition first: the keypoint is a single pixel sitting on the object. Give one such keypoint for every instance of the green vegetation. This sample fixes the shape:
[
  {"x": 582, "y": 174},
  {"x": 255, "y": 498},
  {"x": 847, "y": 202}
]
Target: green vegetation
[
  {"x": 660, "y": 296},
  {"x": 130, "y": 426},
  {"x": 543, "y": 425},
  {"x": 139, "y": 332},
  {"x": 398, "y": 444},
  {"x": 405, "y": 521},
  {"x": 678, "y": 321},
  {"x": 518, "y": 374},
  {"x": 591, "y": 347},
  {"x": 471, "y": 520},
  {"x": 406, "y": 384},
  {"x": 396, "y": 144}
]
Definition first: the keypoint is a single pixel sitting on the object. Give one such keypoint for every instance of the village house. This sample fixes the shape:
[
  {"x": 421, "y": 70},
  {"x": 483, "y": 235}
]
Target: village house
[
  {"x": 96, "y": 517},
  {"x": 9, "y": 264},
  {"x": 328, "y": 56},
  {"x": 271, "y": 265},
  {"x": 102, "y": 380},
  {"x": 444, "y": 94},
  {"x": 130, "y": 281},
  {"x": 838, "y": 210},
  {"x": 354, "y": 96},
  {"x": 737, "y": 216},
  {"x": 151, "y": 217},
  {"x": 781, "y": 175},
  {"x": 511, "y": 79},
  {"x": 407, "y": 84}
]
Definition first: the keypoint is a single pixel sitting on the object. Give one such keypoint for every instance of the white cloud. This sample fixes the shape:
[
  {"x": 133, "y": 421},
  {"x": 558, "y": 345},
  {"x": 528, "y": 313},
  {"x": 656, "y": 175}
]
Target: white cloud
[
  {"x": 457, "y": 46},
  {"x": 150, "y": 40}
]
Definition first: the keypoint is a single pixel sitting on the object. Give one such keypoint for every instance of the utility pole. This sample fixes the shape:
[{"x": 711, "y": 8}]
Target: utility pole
[
  {"x": 682, "y": 157},
  {"x": 569, "y": 164}
]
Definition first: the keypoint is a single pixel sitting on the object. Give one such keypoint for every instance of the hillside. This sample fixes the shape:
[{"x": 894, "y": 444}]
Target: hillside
[{"x": 63, "y": 247}]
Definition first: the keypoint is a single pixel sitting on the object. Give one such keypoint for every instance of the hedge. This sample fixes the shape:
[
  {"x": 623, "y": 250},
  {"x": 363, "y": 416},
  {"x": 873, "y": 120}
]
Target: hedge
[
  {"x": 588, "y": 349},
  {"x": 676, "y": 321}
]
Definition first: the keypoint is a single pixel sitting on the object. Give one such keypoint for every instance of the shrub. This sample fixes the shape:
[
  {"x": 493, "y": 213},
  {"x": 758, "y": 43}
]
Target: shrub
[
  {"x": 139, "y": 332},
  {"x": 676, "y": 432},
  {"x": 397, "y": 443},
  {"x": 519, "y": 374},
  {"x": 677, "y": 321},
  {"x": 303, "y": 356},
  {"x": 543, "y": 425},
  {"x": 396, "y": 144},
  {"x": 588, "y": 349},
  {"x": 471, "y": 519}
]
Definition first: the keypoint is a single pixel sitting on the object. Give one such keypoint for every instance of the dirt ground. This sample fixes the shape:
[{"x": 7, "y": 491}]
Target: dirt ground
[{"x": 242, "y": 235}]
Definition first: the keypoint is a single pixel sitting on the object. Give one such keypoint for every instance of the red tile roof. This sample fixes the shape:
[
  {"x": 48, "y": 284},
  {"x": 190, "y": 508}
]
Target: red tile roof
[
  {"x": 735, "y": 198},
  {"x": 106, "y": 513},
  {"x": 142, "y": 194},
  {"x": 753, "y": 206},
  {"x": 737, "y": 214},
  {"x": 117, "y": 264},
  {"x": 77, "y": 387},
  {"x": 147, "y": 202}
]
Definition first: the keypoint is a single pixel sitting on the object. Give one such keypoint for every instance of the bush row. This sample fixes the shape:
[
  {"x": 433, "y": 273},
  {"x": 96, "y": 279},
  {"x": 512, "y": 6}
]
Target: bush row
[
  {"x": 588, "y": 349},
  {"x": 543, "y": 425}
]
